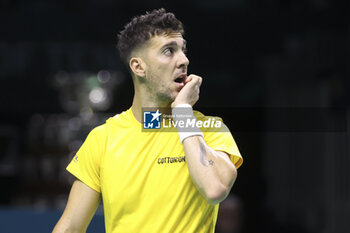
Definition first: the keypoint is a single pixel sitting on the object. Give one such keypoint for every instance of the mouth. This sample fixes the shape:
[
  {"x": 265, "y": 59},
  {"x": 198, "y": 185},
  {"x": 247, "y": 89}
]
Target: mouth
[{"x": 181, "y": 79}]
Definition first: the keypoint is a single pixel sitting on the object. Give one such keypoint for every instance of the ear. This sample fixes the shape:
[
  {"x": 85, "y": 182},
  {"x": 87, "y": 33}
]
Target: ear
[{"x": 137, "y": 66}]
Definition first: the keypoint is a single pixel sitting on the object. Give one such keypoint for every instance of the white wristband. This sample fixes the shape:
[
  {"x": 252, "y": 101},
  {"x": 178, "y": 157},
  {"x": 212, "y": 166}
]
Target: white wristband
[{"x": 182, "y": 114}]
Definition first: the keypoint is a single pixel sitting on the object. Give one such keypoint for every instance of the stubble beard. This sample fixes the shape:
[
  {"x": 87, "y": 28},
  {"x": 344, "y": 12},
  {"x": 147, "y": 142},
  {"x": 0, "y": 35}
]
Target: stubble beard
[
  {"x": 165, "y": 99},
  {"x": 161, "y": 94}
]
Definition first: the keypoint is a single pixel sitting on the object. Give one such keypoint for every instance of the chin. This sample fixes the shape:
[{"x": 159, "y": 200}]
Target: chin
[{"x": 166, "y": 100}]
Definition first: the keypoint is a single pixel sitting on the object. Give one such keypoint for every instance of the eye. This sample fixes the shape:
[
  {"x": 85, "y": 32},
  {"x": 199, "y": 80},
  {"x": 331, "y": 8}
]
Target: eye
[{"x": 168, "y": 51}]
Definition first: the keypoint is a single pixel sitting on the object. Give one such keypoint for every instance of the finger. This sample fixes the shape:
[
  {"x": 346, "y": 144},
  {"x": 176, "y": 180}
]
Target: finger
[
  {"x": 188, "y": 79},
  {"x": 198, "y": 79},
  {"x": 195, "y": 80}
]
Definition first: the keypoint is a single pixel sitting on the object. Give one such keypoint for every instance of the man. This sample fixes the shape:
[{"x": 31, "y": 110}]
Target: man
[{"x": 153, "y": 181}]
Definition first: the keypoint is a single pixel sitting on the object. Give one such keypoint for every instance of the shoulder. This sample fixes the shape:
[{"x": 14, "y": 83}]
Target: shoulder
[
  {"x": 210, "y": 123},
  {"x": 201, "y": 116},
  {"x": 111, "y": 122},
  {"x": 100, "y": 129},
  {"x": 120, "y": 120},
  {"x": 96, "y": 135}
]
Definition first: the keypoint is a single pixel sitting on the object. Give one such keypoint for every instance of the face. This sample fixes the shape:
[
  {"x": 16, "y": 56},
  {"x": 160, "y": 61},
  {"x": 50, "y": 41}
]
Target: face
[{"x": 166, "y": 66}]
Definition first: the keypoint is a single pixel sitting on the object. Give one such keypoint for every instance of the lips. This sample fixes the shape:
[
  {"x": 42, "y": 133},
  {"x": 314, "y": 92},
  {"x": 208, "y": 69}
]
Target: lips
[{"x": 181, "y": 78}]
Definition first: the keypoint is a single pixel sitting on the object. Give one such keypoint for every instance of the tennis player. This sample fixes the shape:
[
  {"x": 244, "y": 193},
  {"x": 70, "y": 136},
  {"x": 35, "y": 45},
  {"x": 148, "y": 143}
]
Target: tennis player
[{"x": 157, "y": 181}]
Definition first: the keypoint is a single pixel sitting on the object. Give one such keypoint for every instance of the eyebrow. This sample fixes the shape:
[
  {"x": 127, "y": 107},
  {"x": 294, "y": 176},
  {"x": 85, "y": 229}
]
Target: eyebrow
[{"x": 173, "y": 43}]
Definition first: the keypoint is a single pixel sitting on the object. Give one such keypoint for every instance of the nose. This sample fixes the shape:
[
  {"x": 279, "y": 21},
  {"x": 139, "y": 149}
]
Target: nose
[{"x": 183, "y": 60}]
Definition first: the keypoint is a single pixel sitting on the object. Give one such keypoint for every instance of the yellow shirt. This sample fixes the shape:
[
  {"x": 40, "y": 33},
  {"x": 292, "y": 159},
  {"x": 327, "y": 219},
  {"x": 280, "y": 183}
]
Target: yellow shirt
[{"x": 144, "y": 179}]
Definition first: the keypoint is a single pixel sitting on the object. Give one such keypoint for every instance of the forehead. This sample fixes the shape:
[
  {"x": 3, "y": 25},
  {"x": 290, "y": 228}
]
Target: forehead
[{"x": 160, "y": 40}]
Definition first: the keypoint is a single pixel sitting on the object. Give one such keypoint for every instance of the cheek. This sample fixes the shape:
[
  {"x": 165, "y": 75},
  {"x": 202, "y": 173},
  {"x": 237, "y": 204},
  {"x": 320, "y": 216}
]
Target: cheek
[
  {"x": 160, "y": 67},
  {"x": 158, "y": 73},
  {"x": 162, "y": 64}
]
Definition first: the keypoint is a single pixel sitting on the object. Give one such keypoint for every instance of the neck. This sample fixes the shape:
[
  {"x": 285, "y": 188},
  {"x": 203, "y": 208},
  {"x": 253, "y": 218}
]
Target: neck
[{"x": 142, "y": 99}]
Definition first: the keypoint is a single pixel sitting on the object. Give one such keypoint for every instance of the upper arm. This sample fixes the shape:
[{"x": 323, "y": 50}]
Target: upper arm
[{"x": 81, "y": 206}]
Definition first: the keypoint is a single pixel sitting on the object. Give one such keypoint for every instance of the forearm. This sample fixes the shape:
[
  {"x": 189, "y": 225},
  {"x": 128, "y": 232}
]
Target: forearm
[
  {"x": 64, "y": 226},
  {"x": 212, "y": 172},
  {"x": 81, "y": 206}
]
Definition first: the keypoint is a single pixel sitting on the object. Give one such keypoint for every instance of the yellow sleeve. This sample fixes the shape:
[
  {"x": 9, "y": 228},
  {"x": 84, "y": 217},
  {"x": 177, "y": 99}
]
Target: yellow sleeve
[
  {"x": 220, "y": 139},
  {"x": 223, "y": 141},
  {"x": 85, "y": 165}
]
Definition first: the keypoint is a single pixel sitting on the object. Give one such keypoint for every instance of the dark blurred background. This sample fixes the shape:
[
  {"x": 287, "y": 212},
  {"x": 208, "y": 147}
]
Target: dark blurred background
[{"x": 271, "y": 69}]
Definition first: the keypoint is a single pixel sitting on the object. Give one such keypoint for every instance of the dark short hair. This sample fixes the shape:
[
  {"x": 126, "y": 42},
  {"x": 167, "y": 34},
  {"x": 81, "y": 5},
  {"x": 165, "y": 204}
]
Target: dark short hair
[{"x": 141, "y": 28}]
